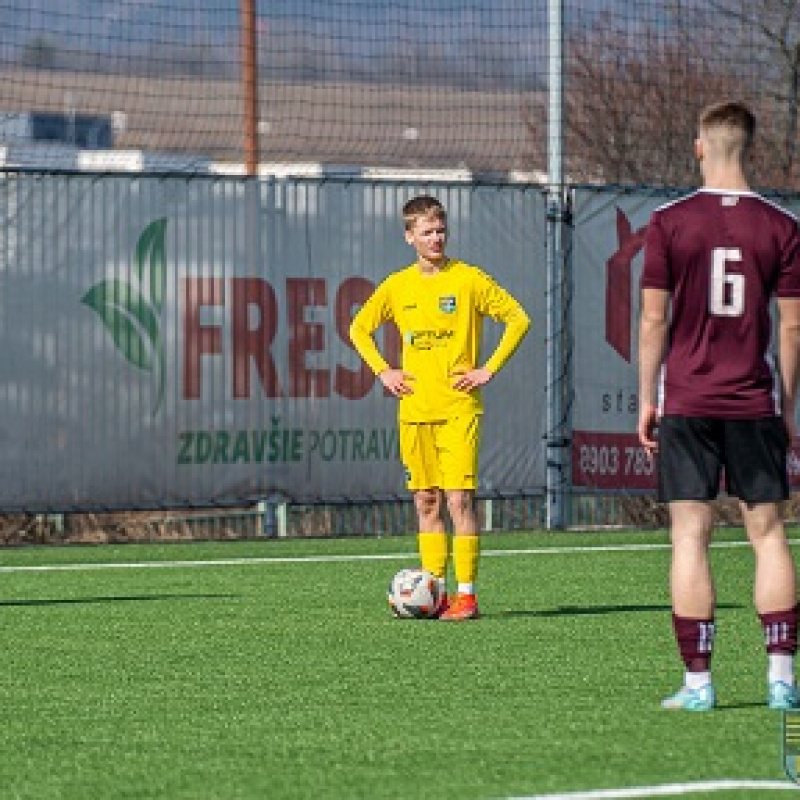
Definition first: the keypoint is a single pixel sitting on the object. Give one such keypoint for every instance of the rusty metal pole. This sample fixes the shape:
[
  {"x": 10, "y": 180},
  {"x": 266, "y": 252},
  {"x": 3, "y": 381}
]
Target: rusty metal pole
[{"x": 250, "y": 86}]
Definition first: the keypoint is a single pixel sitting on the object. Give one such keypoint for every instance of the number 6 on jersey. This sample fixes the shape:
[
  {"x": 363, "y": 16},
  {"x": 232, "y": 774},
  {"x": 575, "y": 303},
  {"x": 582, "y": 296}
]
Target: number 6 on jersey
[{"x": 726, "y": 298}]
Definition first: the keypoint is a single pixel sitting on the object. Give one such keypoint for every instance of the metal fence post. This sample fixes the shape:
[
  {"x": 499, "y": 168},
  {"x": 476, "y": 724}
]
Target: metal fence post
[{"x": 555, "y": 438}]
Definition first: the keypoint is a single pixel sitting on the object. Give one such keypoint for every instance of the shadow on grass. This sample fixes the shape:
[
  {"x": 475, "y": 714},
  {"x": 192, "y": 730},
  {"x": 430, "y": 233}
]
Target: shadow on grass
[
  {"x": 578, "y": 611},
  {"x": 147, "y": 598},
  {"x": 740, "y": 706}
]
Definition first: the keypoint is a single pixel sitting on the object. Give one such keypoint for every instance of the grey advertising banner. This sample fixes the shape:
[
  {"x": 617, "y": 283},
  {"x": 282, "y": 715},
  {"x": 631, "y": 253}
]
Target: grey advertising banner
[
  {"x": 608, "y": 243},
  {"x": 173, "y": 341}
]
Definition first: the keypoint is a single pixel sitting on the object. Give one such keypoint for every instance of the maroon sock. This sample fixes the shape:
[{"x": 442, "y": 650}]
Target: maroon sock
[
  {"x": 695, "y": 639},
  {"x": 780, "y": 631}
]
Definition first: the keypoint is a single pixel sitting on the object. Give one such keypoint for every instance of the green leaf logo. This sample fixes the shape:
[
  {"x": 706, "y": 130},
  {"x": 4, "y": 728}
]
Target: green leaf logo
[{"x": 131, "y": 312}]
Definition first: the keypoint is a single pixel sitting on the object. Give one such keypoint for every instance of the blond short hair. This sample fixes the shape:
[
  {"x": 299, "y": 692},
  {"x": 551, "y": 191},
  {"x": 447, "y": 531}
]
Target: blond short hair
[
  {"x": 733, "y": 119},
  {"x": 423, "y": 205}
]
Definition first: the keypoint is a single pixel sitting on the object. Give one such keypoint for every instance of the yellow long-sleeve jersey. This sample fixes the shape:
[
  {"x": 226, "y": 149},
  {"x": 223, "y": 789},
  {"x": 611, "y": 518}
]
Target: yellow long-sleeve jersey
[{"x": 440, "y": 320}]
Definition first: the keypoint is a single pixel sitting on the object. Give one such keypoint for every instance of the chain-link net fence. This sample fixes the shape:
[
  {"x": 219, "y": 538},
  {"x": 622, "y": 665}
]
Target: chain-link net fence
[{"x": 356, "y": 84}]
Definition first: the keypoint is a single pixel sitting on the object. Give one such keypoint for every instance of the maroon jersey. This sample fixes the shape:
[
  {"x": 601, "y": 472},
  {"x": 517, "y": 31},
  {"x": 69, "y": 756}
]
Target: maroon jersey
[{"x": 722, "y": 256}]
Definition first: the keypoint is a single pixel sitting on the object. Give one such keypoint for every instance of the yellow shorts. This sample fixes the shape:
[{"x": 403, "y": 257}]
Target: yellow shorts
[{"x": 443, "y": 454}]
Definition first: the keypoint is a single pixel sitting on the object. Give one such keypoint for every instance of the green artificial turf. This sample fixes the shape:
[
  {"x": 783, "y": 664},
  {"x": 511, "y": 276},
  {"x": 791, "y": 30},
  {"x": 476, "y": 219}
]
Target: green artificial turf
[{"x": 282, "y": 676}]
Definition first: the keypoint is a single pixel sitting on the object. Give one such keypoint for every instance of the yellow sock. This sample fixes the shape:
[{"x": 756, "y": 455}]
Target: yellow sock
[
  {"x": 466, "y": 550},
  {"x": 433, "y": 552}
]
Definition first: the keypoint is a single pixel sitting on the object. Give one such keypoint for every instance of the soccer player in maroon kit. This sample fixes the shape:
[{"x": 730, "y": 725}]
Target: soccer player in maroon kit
[{"x": 713, "y": 398}]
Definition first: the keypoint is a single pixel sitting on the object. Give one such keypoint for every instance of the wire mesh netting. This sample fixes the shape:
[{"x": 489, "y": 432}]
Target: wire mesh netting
[
  {"x": 160, "y": 85},
  {"x": 638, "y": 74},
  {"x": 461, "y": 84},
  {"x": 344, "y": 82}
]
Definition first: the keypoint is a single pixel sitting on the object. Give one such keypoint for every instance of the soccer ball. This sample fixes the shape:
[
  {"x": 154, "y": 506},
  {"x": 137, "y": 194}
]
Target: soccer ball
[{"x": 414, "y": 593}]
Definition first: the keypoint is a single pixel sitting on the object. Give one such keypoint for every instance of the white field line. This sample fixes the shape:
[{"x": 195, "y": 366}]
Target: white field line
[
  {"x": 328, "y": 559},
  {"x": 666, "y": 790}
]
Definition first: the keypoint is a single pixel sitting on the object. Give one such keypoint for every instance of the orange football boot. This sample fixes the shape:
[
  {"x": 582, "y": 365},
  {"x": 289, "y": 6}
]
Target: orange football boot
[{"x": 462, "y": 606}]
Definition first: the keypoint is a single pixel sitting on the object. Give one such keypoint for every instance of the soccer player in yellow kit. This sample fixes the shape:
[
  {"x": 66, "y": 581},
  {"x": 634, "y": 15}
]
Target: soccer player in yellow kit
[{"x": 438, "y": 305}]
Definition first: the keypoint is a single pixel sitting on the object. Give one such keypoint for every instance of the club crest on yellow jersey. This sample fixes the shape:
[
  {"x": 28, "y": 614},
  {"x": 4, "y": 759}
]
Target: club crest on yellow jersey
[{"x": 447, "y": 304}]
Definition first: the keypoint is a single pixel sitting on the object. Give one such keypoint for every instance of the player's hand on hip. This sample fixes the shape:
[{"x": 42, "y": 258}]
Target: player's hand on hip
[
  {"x": 648, "y": 422},
  {"x": 397, "y": 381},
  {"x": 473, "y": 379}
]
